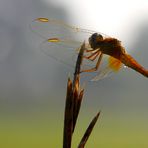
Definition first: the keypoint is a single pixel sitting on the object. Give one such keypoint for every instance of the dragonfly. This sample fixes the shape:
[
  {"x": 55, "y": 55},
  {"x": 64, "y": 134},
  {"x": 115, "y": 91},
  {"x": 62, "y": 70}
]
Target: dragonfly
[{"x": 103, "y": 54}]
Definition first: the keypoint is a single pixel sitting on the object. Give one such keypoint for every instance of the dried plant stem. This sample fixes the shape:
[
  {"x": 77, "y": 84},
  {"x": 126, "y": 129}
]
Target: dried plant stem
[
  {"x": 68, "y": 117},
  {"x": 72, "y": 106},
  {"x": 78, "y": 63},
  {"x": 73, "y": 102},
  {"x": 88, "y": 131}
]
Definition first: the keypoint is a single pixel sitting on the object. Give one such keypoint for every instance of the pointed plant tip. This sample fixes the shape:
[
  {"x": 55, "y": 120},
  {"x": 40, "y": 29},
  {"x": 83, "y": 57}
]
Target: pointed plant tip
[
  {"x": 83, "y": 46},
  {"x": 69, "y": 85},
  {"x": 76, "y": 84},
  {"x": 69, "y": 75},
  {"x": 98, "y": 114},
  {"x": 81, "y": 94},
  {"x": 69, "y": 80}
]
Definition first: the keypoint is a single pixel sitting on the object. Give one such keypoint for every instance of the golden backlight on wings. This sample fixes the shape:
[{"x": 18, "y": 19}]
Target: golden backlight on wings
[
  {"x": 53, "y": 40},
  {"x": 42, "y": 19},
  {"x": 114, "y": 64},
  {"x": 98, "y": 46}
]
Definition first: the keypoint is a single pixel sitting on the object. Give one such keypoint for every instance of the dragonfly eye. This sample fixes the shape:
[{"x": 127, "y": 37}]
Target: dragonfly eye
[{"x": 94, "y": 39}]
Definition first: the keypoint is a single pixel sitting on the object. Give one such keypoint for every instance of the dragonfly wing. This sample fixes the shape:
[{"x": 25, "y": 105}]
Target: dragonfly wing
[
  {"x": 109, "y": 65},
  {"x": 49, "y": 28},
  {"x": 60, "y": 41},
  {"x": 62, "y": 51},
  {"x": 54, "y": 28}
]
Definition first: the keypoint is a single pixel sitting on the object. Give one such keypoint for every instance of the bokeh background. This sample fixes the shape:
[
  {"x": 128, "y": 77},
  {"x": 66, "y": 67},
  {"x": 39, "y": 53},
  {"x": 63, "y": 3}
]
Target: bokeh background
[{"x": 33, "y": 86}]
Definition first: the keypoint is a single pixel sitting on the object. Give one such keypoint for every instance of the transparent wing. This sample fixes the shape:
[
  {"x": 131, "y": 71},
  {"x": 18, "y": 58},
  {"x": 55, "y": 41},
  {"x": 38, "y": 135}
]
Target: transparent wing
[
  {"x": 109, "y": 66},
  {"x": 64, "y": 52},
  {"x": 62, "y": 43},
  {"x": 68, "y": 39},
  {"x": 48, "y": 28}
]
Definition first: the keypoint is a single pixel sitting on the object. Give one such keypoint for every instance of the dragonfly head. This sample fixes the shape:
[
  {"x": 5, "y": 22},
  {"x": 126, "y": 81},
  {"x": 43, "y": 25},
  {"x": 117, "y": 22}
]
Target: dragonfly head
[{"x": 94, "y": 39}]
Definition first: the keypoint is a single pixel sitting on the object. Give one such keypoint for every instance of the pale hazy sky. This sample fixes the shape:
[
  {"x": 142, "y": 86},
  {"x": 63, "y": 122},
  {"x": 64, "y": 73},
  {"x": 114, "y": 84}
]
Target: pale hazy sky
[
  {"x": 25, "y": 68},
  {"x": 116, "y": 17}
]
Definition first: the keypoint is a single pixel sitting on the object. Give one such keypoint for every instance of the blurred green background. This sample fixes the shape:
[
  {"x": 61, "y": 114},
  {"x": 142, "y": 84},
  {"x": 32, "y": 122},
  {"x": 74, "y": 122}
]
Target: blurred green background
[{"x": 33, "y": 86}]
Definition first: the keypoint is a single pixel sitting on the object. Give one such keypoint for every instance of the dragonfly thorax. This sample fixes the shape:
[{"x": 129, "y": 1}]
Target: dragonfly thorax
[{"x": 93, "y": 40}]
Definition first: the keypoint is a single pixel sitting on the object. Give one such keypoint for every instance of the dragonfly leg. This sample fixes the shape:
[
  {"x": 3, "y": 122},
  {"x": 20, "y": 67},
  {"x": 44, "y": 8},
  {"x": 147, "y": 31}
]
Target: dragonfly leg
[
  {"x": 90, "y": 50},
  {"x": 93, "y": 56},
  {"x": 97, "y": 65}
]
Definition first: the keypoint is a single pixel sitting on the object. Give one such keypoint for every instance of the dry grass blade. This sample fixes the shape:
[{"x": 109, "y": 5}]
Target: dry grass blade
[
  {"x": 73, "y": 104},
  {"x": 68, "y": 117},
  {"x": 78, "y": 63},
  {"x": 88, "y": 131},
  {"x": 78, "y": 95},
  {"x": 73, "y": 101},
  {"x": 77, "y": 107}
]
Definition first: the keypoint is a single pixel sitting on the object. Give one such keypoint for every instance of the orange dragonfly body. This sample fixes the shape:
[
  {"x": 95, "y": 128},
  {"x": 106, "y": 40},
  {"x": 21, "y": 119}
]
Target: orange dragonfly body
[
  {"x": 113, "y": 48},
  {"x": 97, "y": 46}
]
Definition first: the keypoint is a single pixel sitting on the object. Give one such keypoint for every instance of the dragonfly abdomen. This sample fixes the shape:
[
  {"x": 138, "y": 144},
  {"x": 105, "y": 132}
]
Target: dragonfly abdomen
[{"x": 129, "y": 61}]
